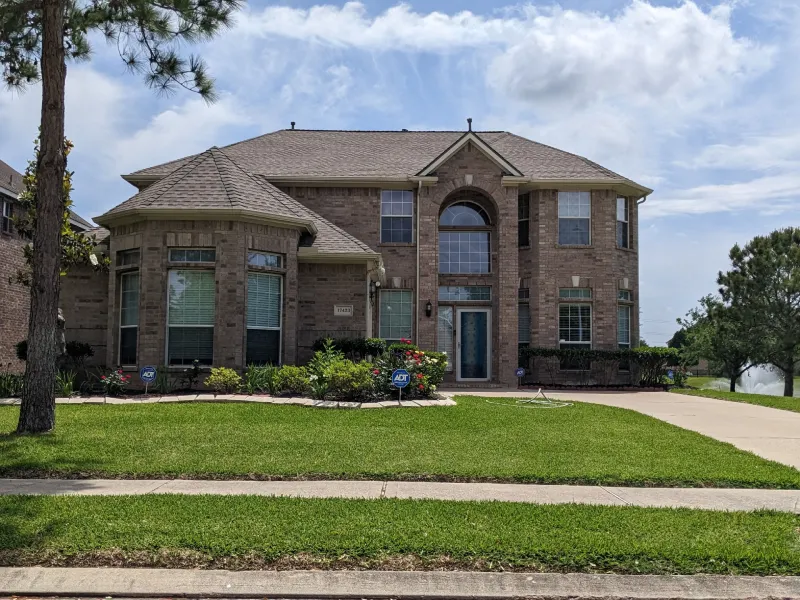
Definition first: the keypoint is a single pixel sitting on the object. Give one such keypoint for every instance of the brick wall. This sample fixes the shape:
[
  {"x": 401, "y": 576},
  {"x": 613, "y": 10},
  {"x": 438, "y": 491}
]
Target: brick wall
[
  {"x": 321, "y": 287},
  {"x": 84, "y": 304},
  {"x": 14, "y": 302}
]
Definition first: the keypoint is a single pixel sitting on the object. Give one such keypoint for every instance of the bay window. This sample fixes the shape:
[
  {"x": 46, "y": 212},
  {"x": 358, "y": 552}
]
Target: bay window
[
  {"x": 264, "y": 318},
  {"x": 574, "y": 218},
  {"x": 128, "y": 317},
  {"x": 190, "y": 317}
]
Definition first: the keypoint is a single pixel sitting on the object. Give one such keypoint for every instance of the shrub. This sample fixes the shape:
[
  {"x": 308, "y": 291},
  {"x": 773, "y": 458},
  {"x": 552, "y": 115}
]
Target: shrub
[
  {"x": 191, "y": 375},
  {"x": 262, "y": 379},
  {"x": 292, "y": 379},
  {"x": 65, "y": 383},
  {"x": 223, "y": 380},
  {"x": 402, "y": 347},
  {"x": 648, "y": 366},
  {"x": 350, "y": 381},
  {"x": 163, "y": 384},
  {"x": 22, "y": 350},
  {"x": 425, "y": 368},
  {"x": 10, "y": 384},
  {"x": 115, "y": 382},
  {"x": 354, "y": 347}
]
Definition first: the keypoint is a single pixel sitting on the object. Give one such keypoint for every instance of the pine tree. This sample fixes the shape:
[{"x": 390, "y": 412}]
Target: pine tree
[{"x": 37, "y": 37}]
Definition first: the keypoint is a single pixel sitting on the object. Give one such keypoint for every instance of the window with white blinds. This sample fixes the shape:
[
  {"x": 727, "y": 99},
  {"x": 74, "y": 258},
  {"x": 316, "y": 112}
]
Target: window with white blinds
[
  {"x": 190, "y": 317},
  {"x": 128, "y": 317},
  {"x": 264, "y": 312},
  {"x": 445, "y": 335}
]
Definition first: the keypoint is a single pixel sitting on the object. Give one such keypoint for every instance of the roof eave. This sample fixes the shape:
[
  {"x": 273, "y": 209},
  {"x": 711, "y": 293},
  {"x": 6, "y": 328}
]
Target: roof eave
[
  {"x": 626, "y": 185},
  {"x": 123, "y": 217}
]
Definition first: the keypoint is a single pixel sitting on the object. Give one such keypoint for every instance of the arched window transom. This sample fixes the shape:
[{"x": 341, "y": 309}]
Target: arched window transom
[{"x": 464, "y": 214}]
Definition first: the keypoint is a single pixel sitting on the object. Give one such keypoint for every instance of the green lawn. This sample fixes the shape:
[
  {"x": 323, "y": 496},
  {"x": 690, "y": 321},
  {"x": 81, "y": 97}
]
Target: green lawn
[
  {"x": 781, "y": 402},
  {"x": 583, "y": 443},
  {"x": 247, "y": 532}
]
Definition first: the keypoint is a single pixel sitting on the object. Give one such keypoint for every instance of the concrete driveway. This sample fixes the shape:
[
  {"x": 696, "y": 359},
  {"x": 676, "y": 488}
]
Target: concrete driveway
[{"x": 768, "y": 432}]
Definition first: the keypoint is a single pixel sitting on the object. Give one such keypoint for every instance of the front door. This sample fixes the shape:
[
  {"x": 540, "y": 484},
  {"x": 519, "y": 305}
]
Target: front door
[{"x": 473, "y": 344}]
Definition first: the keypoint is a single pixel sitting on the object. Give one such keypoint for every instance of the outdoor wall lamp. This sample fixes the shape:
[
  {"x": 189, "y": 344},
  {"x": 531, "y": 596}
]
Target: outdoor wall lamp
[
  {"x": 428, "y": 309},
  {"x": 374, "y": 286}
]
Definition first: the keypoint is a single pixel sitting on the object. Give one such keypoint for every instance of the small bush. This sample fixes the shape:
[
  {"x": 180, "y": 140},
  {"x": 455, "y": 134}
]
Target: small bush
[
  {"x": 164, "y": 384},
  {"x": 22, "y": 350},
  {"x": 293, "y": 380},
  {"x": 354, "y": 347},
  {"x": 191, "y": 375},
  {"x": 115, "y": 382},
  {"x": 262, "y": 379},
  {"x": 65, "y": 383},
  {"x": 350, "y": 381},
  {"x": 223, "y": 380},
  {"x": 402, "y": 347},
  {"x": 11, "y": 384}
]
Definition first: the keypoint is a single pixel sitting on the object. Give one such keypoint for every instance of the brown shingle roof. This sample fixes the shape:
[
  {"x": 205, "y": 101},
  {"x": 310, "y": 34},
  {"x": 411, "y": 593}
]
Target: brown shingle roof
[
  {"x": 386, "y": 154},
  {"x": 212, "y": 181},
  {"x": 10, "y": 179}
]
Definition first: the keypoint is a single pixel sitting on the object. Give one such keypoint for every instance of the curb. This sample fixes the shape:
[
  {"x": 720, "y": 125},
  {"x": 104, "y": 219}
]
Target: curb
[{"x": 427, "y": 585}]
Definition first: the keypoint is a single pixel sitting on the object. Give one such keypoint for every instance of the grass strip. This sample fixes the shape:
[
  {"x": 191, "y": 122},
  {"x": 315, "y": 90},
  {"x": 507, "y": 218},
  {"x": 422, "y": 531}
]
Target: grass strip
[
  {"x": 474, "y": 441},
  {"x": 246, "y": 532},
  {"x": 780, "y": 402}
]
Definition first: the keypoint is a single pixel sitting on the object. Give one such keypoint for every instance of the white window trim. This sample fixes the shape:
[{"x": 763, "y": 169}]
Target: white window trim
[
  {"x": 279, "y": 329},
  {"x": 559, "y": 217},
  {"x": 121, "y": 326},
  {"x": 412, "y": 216},
  {"x": 627, "y": 221},
  {"x": 630, "y": 324},
  {"x": 7, "y": 206},
  {"x": 591, "y": 324},
  {"x": 380, "y": 333},
  {"x": 213, "y": 327}
]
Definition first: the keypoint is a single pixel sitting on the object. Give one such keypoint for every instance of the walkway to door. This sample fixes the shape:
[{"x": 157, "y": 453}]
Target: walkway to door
[{"x": 768, "y": 432}]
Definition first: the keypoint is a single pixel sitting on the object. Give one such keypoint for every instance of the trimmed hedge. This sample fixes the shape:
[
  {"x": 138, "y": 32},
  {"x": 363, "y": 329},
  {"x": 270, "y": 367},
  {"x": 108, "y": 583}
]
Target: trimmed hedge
[
  {"x": 351, "y": 347},
  {"x": 648, "y": 366}
]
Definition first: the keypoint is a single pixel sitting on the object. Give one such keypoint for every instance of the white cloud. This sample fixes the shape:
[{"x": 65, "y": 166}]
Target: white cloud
[
  {"x": 763, "y": 152},
  {"x": 771, "y": 194}
]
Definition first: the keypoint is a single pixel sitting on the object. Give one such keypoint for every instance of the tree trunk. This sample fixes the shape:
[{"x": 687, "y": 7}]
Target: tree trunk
[
  {"x": 788, "y": 381},
  {"x": 37, "y": 413},
  {"x": 733, "y": 383}
]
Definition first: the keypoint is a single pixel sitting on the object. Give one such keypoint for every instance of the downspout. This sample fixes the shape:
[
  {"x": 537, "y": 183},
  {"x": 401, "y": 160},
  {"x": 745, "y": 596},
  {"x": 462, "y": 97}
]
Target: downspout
[
  {"x": 416, "y": 307},
  {"x": 370, "y": 300},
  {"x": 636, "y": 305}
]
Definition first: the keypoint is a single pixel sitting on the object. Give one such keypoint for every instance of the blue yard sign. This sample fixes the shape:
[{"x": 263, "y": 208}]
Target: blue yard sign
[
  {"x": 400, "y": 378},
  {"x": 147, "y": 374},
  {"x": 520, "y": 372}
]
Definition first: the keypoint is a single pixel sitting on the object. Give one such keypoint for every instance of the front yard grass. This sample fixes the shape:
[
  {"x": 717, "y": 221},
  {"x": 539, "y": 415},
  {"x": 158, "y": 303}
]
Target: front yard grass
[
  {"x": 782, "y": 402},
  {"x": 476, "y": 440},
  {"x": 248, "y": 532}
]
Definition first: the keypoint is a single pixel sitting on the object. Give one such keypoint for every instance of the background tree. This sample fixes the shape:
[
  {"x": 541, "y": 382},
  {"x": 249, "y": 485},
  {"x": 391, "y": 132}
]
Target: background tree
[
  {"x": 36, "y": 39},
  {"x": 764, "y": 282},
  {"x": 728, "y": 339},
  {"x": 679, "y": 340}
]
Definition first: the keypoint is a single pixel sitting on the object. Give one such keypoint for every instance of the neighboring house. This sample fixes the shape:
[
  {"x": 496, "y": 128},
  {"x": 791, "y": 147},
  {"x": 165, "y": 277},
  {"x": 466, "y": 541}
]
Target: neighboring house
[
  {"x": 15, "y": 298},
  {"x": 469, "y": 243}
]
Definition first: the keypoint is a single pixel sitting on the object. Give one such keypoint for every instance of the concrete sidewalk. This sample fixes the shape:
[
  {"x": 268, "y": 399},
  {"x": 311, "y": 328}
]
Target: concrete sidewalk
[
  {"x": 702, "y": 498},
  {"x": 768, "y": 432},
  {"x": 453, "y": 585}
]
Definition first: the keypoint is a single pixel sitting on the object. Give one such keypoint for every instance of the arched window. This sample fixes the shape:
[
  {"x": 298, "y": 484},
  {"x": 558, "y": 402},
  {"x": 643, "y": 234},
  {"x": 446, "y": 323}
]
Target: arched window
[
  {"x": 464, "y": 214},
  {"x": 464, "y": 239}
]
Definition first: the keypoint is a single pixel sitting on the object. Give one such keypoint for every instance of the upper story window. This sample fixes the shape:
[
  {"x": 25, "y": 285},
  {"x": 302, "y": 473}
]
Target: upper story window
[
  {"x": 397, "y": 216},
  {"x": 623, "y": 232},
  {"x": 624, "y": 296},
  {"x": 192, "y": 255},
  {"x": 524, "y": 218},
  {"x": 7, "y": 223},
  {"x": 264, "y": 259},
  {"x": 464, "y": 293},
  {"x": 574, "y": 218},
  {"x": 464, "y": 240},
  {"x": 128, "y": 258}
]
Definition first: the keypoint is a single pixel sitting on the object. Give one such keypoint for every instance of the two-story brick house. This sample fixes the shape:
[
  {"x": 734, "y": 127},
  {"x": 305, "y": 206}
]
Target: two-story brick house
[{"x": 470, "y": 243}]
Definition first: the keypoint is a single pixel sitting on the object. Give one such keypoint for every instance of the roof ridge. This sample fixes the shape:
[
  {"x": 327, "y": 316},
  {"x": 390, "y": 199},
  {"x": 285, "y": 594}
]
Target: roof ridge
[
  {"x": 157, "y": 194},
  {"x": 218, "y": 169}
]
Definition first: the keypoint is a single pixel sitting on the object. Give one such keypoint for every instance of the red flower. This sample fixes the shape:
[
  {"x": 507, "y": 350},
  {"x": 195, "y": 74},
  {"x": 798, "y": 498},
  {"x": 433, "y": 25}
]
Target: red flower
[
  {"x": 376, "y": 372},
  {"x": 420, "y": 375},
  {"x": 408, "y": 341},
  {"x": 422, "y": 387},
  {"x": 408, "y": 352},
  {"x": 120, "y": 371},
  {"x": 103, "y": 378}
]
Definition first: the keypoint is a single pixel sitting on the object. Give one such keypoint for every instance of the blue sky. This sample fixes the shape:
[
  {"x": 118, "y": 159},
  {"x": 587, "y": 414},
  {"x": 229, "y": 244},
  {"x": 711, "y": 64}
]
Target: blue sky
[{"x": 700, "y": 101}]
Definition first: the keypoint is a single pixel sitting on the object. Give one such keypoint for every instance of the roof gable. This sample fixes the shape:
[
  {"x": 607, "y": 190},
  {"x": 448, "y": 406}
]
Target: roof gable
[{"x": 486, "y": 149}]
